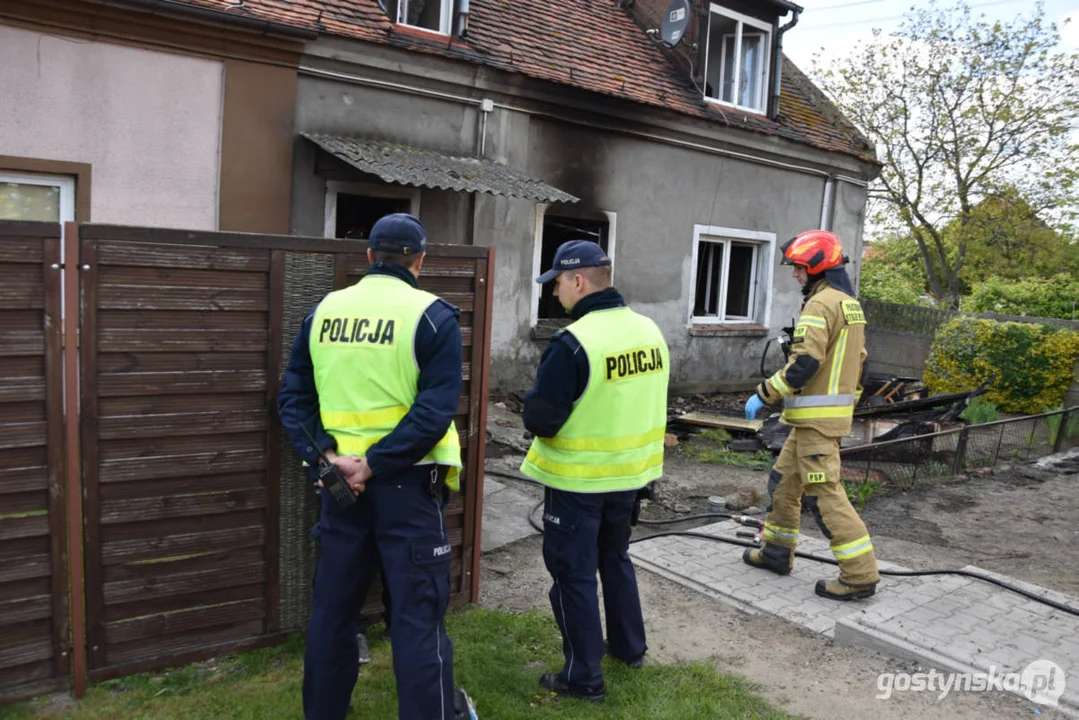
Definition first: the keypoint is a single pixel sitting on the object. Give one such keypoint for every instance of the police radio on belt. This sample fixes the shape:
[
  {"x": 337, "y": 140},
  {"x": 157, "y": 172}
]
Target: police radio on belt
[{"x": 330, "y": 477}]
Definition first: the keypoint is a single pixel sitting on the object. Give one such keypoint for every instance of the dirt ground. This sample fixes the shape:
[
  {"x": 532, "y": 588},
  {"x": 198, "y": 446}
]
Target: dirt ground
[{"x": 1019, "y": 521}]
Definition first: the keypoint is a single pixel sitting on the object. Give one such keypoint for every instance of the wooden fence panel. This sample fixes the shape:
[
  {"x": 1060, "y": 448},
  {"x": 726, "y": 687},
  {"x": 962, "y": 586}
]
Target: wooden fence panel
[
  {"x": 179, "y": 366},
  {"x": 183, "y": 343},
  {"x": 34, "y": 645}
]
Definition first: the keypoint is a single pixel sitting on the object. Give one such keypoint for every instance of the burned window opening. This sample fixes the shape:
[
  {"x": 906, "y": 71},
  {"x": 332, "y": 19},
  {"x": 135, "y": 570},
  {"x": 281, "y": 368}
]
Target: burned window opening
[
  {"x": 357, "y": 213},
  {"x": 557, "y": 230}
]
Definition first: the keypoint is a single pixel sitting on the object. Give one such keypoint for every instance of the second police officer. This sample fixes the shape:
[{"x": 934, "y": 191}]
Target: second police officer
[{"x": 598, "y": 411}]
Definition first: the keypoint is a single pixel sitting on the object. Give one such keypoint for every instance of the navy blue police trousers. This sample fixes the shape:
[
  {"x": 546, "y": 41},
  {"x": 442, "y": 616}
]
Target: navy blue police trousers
[
  {"x": 583, "y": 533},
  {"x": 399, "y": 525}
]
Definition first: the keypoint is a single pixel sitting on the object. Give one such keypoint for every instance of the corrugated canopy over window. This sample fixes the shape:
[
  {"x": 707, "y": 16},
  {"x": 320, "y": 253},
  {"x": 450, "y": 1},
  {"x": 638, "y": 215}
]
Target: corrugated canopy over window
[{"x": 409, "y": 165}]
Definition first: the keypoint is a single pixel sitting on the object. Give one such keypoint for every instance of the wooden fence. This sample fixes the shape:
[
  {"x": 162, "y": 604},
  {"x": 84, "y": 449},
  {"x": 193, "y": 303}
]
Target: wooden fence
[
  {"x": 187, "y": 514},
  {"x": 34, "y": 602}
]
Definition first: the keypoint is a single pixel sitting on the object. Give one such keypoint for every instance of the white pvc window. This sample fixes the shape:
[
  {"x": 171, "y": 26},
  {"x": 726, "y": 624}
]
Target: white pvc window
[
  {"x": 732, "y": 275},
  {"x": 44, "y": 198},
  {"x": 737, "y": 59},
  {"x": 434, "y": 15}
]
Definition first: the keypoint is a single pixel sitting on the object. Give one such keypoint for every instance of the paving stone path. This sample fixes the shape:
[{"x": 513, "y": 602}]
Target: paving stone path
[{"x": 950, "y": 623}]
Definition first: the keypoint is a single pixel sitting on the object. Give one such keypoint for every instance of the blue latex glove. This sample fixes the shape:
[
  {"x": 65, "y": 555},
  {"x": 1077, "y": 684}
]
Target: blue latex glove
[{"x": 753, "y": 406}]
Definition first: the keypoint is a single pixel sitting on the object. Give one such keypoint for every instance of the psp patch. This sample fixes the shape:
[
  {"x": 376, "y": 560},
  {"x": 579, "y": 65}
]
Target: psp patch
[
  {"x": 852, "y": 312},
  {"x": 815, "y": 477}
]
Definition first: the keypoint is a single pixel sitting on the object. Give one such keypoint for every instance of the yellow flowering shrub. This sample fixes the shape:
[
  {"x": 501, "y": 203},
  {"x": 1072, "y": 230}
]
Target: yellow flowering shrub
[{"x": 1033, "y": 364}]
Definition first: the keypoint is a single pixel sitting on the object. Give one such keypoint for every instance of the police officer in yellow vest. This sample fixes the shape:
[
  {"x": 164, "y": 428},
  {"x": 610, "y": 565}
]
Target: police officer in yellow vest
[
  {"x": 598, "y": 412},
  {"x": 818, "y": 387},
  {"x": 375, "y": 377}
]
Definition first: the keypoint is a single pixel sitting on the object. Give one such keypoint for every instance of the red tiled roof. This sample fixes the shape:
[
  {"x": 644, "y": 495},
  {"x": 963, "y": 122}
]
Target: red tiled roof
[{"x": 593, "y": 45}]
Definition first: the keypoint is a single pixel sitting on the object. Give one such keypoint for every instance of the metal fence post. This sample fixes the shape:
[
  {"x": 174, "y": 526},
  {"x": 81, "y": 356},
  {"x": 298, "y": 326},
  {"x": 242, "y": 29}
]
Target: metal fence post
[
  {"x": 960, "y": 458},
  {"x": 1058, "y": 443}
]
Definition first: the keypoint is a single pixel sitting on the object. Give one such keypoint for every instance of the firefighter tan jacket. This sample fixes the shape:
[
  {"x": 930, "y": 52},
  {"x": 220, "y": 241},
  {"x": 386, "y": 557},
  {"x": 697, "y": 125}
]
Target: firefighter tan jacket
[{"x": 821, "y": 382}]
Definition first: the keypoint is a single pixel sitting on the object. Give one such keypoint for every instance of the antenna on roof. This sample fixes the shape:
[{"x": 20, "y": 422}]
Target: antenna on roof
[{"x": 675, "y": 21}]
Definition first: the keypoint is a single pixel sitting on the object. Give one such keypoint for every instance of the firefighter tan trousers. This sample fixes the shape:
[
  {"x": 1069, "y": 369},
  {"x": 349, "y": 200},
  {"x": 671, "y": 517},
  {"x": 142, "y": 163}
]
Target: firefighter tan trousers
[{"x": 809, "y": 463}]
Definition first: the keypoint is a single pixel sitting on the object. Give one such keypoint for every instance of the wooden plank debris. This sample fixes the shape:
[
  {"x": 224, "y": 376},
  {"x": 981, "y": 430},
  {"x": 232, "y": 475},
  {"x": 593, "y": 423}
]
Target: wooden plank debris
[{"x": 721, "y": 421}]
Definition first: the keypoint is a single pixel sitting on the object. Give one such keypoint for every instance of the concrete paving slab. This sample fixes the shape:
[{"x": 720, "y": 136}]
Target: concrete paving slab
[
  {"x": 950, "y": 623},
  {"x": 505, "y": 513}
]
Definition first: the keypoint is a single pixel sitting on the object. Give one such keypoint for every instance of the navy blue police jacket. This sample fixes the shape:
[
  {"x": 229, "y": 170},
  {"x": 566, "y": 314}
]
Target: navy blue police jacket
[
  {"x": 563, "y": 371},
  {"x": 437, "y": 349}
]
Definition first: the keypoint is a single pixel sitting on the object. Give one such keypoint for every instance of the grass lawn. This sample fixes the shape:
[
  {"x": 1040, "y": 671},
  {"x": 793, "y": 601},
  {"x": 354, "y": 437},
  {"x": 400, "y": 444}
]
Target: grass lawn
[{"x": 498, "y": 658}]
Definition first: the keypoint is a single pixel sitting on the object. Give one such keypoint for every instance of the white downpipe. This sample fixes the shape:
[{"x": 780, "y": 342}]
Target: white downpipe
[{"x": 826, "y": 204}]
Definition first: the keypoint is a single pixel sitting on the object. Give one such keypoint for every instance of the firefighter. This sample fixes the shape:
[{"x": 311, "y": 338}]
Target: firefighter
[
  {"x": 375, "y": 374},
  {"x": 819, "y": 387},
  {"x": 599, "y": 414}
]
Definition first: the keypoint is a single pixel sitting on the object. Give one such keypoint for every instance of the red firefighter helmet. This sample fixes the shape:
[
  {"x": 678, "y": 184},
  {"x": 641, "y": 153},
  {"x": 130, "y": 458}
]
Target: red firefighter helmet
[{"x": 816, "y": 250}]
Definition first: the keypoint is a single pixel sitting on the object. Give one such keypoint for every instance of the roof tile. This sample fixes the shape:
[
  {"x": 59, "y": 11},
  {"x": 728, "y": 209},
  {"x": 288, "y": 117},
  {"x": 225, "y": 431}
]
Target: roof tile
[{"x": 593, "y": 45}]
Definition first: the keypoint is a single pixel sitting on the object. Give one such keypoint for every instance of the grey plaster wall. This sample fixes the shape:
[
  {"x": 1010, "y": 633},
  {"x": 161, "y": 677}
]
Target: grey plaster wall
[{"x": 658, "y": 191}]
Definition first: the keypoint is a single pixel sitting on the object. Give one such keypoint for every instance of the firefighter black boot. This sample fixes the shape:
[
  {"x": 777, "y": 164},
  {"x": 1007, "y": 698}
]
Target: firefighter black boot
[
  {"x": 776, "y": 558},
  {"x": 839, "y": 590}
]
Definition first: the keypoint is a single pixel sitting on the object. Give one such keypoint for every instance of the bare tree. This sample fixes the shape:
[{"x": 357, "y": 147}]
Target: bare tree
[{"x": 960, "y": 108}]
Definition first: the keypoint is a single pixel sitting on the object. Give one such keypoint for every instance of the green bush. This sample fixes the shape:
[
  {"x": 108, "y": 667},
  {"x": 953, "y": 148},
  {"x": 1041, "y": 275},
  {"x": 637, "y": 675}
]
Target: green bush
[
  {"x": 1055, "y": 297},
  {"x": 980, "y": 411},
  {"x": 1033, "y": 364}
]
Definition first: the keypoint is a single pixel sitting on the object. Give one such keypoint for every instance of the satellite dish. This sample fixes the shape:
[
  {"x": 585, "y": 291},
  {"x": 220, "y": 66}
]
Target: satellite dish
[{"x": 675, "y": 21}]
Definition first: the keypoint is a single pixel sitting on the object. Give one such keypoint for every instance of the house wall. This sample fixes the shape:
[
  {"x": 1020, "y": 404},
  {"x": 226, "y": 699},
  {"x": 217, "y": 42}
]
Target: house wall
[
  {"x": 147, "y": 122},
  {"x": 658, "y": 191},
  {"x": 332, "y": 107}
]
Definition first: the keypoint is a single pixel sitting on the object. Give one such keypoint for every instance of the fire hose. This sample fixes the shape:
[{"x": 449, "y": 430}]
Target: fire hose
[{"x": 752, "y": 522}]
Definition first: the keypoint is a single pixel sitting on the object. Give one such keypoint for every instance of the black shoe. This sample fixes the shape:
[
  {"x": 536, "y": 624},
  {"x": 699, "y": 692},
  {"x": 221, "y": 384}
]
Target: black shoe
[
  {"x": 555, "y": 683},
  {"x": 839, "y": 590},
  {"x": 635, "y": 664}
]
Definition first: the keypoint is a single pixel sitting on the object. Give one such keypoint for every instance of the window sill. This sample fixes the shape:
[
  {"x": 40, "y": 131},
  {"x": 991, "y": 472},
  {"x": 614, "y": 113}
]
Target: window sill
[
  {"x": 742, "y": 330},
  {"x": 418, "y": 33},
  {"x": 545, "y": 328},
  {"x": 733, "y": 106}
]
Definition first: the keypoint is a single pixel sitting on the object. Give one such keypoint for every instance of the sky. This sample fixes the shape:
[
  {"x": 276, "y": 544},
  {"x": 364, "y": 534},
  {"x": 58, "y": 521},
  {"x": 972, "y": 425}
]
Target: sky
[
  {"x": 835, "y": 27},
  {"x": 838, "y": 25}
]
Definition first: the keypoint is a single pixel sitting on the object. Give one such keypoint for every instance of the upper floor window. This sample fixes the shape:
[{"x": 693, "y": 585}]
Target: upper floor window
[
  {"x": 736, "y": 59},
  {"x": 434, "y": 15}
]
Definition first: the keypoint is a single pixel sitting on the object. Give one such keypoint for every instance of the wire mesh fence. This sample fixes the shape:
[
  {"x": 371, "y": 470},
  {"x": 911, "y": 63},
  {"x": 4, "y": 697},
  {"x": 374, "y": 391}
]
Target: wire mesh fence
[{"x": 934, "y": 457}]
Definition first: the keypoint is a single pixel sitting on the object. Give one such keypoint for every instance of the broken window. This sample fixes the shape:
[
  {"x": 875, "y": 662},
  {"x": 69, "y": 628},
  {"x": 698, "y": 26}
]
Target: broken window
[
  {"x": 736, "y": 60},
  {"x": 353, "y": 208},
  {"x": 434, "y": 15},
  {"x": 557, "y": 230},
  {"x": 357, "y": 213},
  {"x": 729, "y": 268}
]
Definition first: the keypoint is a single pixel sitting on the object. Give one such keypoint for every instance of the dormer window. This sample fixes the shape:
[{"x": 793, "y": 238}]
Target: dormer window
[
  {"x": 433, "y": 15},
  {"x": 736, "y": 60}
]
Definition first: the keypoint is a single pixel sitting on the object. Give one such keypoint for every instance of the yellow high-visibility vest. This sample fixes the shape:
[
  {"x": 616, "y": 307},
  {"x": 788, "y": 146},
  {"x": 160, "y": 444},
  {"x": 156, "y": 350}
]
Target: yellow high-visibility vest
[
  {"x": 613, "y": 439},
  {"x": 365, "y": 371}
]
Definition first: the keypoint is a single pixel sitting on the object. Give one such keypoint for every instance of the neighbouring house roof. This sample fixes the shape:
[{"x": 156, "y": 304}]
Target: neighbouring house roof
[
  {"x": 428, "y": 168},
  {"x": 593, "y": 45}
]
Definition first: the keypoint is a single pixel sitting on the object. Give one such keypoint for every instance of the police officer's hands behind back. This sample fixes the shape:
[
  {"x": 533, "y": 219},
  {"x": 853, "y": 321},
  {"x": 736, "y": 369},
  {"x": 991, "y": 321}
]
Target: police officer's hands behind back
[{"x": 355, "y": 470}]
